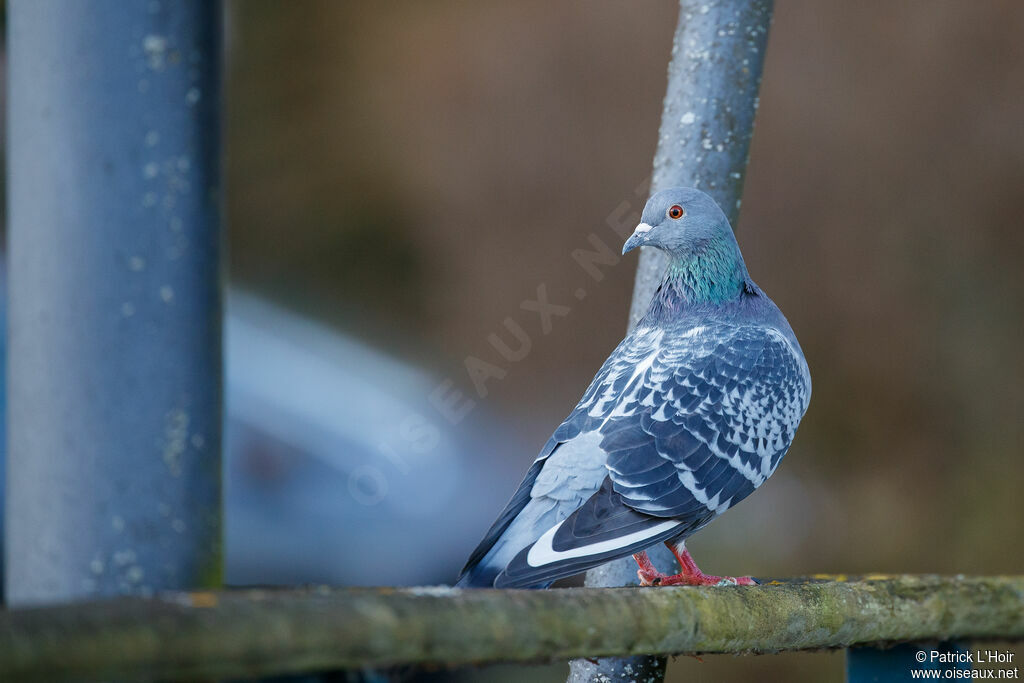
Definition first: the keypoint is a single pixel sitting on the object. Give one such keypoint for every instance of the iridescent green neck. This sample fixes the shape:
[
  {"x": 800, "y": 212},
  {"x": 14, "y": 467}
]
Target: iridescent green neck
[{"x": 710, "y": 274}]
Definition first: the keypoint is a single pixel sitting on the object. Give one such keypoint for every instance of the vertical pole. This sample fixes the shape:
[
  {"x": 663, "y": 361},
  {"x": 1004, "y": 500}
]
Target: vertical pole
[
  {"x": 708, "y": 117},
  {"x": 115, "y": 298},
  {"x": 706, "y": 125}
]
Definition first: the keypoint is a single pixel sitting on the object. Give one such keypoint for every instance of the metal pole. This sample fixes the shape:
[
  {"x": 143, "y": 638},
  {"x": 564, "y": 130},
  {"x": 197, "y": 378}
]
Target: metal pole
[
  {"x": 706, "y": 124},
  {"x": 216, "y": 635},
  {"x": 115, "y": 298}
]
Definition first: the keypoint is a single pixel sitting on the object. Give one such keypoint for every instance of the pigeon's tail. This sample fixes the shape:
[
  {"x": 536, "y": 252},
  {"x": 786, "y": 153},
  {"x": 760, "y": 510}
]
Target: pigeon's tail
[
  {"x": 603, "y": 529},
  {"x": 483, "y": 572},
  {"x": 480, "y": 576},
  {"x": 483, "y": 577},
  {"x": 530, "y": 521}
]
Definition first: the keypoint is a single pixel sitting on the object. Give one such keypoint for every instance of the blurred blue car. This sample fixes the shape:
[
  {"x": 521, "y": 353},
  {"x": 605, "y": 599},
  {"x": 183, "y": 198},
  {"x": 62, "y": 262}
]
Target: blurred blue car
[{"x": 338, "y": 469}]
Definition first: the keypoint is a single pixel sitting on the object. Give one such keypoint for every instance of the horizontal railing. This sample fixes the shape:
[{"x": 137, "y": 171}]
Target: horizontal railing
[{"x": 261, "y": 632}]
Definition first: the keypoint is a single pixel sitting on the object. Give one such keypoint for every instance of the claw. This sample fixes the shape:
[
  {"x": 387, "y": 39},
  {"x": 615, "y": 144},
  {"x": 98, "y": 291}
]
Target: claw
[{"x": 690, "y": 574}]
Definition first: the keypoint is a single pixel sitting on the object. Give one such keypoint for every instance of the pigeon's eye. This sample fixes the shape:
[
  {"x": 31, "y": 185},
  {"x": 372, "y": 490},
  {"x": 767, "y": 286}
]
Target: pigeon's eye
[{"x": 675, "y": 211}]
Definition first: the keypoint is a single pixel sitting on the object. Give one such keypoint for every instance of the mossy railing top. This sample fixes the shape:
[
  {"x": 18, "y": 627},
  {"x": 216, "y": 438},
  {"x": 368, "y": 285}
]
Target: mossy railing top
[{"x": 260, "y": 632}]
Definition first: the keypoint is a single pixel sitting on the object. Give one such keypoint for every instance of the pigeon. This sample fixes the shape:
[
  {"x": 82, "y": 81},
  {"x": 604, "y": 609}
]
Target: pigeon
[{"x": 691, "y": 412}]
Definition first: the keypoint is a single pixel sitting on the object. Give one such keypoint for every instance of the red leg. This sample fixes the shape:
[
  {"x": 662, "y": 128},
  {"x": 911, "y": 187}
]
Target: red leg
[
  {"x": 648, "y": 573},
  {"x": 689, "y": 574}
]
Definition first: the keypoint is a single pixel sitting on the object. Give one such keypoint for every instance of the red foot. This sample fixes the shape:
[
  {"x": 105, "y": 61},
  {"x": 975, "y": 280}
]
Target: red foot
[{"x": 690, "y": 574}]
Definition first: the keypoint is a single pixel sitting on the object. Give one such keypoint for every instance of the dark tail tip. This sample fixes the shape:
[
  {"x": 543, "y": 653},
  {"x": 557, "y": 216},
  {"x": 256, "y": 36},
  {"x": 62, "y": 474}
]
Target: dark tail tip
[{"x": 477, "y": 577}]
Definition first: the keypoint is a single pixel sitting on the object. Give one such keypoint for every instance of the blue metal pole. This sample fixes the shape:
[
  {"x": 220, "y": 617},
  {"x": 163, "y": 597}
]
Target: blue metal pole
[
  {"x": 707, "y": 120},
  {"x": 707, "y": 123},
  {"x": 115, "y": 297}
]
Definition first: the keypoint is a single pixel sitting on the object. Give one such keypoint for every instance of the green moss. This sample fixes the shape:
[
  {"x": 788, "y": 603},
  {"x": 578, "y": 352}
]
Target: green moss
[{"x": 253, "y": 633}]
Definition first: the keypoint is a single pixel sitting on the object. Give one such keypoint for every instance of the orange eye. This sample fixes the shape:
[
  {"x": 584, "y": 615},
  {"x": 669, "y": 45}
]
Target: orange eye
[{"x": 675, "y": 211}]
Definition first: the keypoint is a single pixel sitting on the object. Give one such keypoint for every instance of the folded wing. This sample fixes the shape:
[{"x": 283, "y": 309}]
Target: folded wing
[{"x": 688, "y": 432}]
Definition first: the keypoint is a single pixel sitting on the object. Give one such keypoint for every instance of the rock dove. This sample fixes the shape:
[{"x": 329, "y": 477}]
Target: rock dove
[{"x": 692, "y": 411}]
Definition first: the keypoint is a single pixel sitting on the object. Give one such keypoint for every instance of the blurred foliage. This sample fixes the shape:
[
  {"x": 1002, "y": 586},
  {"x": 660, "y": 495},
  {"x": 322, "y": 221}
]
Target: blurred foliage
[{"x": 310, "y": 224}]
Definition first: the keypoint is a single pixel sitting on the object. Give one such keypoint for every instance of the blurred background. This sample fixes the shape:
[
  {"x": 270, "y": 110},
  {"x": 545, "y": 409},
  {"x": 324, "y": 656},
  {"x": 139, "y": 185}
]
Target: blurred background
[{"x": 402, "y": 176}]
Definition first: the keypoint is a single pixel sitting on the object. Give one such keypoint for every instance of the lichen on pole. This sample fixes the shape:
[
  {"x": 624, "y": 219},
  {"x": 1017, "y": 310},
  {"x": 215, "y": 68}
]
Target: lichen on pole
[
  {"x": 115, "y": 298},
  {"x": 226, "y": 634},
  {"x": 706, "y": 125}
]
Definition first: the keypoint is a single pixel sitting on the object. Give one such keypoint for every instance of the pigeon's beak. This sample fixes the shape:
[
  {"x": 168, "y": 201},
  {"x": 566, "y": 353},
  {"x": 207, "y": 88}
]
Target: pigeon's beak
[{"x": 638, "y": 238}]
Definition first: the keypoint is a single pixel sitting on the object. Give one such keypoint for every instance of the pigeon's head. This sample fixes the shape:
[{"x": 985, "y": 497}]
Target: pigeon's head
[{"x": 680, "y": 220}]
